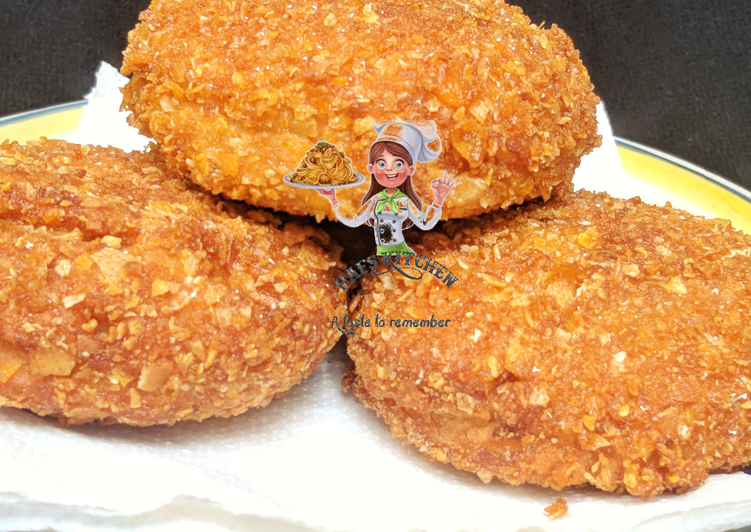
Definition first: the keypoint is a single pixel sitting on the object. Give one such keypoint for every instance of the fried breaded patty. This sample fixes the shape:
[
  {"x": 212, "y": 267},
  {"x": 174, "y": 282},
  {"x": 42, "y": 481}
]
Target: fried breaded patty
[
  {"x": 128, "y": 295},
  {"x": 592, "y": 341},
  {"x": 235, "y": 93}
]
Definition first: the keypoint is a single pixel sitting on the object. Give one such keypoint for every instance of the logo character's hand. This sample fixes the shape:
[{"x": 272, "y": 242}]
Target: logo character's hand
[
  {"x": 329, "y": 194},
  {"x": 441, "y": 187}
]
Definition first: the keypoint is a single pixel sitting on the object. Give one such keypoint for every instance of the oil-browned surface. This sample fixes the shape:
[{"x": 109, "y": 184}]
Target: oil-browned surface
[
  {"x": 593, "y": 340},
  {"x": 128, "y": 296},
  {"x": 235, "y": 93}
]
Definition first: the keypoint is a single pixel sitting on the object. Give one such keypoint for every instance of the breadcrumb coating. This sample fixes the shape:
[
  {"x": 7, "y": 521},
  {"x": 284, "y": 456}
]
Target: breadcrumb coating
[
  {"x": 236, "y": 92},
  {"x": 128, "y": 296},
  {"x": 593, "y": 341},
  {"x": 557, "y": 510}
]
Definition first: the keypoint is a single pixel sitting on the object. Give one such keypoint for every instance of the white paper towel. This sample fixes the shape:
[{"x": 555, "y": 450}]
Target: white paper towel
[
  {"x": 314, "y": 460},
  {"x": 102, "y": 122}
]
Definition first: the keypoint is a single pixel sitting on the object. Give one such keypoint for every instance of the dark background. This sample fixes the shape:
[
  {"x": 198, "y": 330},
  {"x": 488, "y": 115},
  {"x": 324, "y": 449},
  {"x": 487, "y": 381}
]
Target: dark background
[{"x": 675, "y": 75}]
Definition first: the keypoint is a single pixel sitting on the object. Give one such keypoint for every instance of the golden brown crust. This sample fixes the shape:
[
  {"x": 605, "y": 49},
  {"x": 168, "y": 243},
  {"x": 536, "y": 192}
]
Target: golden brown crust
[
  {"x": 236, "y": 92},
  {"x": 593, "y": 340},
  {"x": 128, "y": 296}
]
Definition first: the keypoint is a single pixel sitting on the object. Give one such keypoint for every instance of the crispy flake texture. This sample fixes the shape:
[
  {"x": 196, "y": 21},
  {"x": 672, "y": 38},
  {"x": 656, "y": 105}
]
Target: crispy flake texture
[
  {"x": 236, "y": 92},
  {"x": 593, "y": 341},
  {"x": 127, "y": 296}
]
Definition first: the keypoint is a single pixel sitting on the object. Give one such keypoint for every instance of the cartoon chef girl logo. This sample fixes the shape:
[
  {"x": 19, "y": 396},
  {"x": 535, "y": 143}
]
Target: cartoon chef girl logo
[{"x": 391, "y": 204}]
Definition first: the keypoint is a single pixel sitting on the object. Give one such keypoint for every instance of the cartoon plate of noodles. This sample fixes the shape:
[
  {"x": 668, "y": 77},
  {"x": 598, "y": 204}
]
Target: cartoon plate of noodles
[{"x": 324, "y": 166}]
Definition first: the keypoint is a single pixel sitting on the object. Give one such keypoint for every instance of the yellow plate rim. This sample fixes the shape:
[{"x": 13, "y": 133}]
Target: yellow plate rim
[
  {"x": 694, "y": 169},
  {"x": 42, "y": 111}
]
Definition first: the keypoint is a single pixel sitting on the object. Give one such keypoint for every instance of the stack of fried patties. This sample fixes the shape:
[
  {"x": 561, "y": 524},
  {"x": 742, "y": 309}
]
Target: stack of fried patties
[{"x": 592, "y": 340}]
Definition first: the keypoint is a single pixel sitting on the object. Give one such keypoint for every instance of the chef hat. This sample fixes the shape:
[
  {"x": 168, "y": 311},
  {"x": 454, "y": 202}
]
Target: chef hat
[{"x": 412, "y": 137}]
